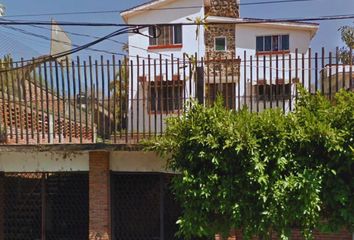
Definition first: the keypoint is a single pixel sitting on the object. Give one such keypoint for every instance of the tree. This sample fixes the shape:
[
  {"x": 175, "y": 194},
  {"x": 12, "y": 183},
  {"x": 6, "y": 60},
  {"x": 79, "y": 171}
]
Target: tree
[
  {"x": 263, "y": 173},
  {"x": 347, "y": 34},
  {"x": 119, "y": 89}
]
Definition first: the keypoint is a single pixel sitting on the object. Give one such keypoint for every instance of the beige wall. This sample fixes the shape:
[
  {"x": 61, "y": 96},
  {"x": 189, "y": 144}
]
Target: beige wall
[{"x": 31, "y": 160}]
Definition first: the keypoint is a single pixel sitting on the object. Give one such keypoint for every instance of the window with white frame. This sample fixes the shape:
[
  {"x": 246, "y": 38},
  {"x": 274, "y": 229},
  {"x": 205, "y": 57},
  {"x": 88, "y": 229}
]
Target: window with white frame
[
  {"x": 220, "y": 44},
  {"x": 273, "y": 43},
  {"x": 166, "y": 35}
]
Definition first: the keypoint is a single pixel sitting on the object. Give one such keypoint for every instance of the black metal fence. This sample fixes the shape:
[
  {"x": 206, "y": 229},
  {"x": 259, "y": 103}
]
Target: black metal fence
[
  {"x": 143, "y": 207},
  {"x": 125, "y": 100},
  {"x": 52, "y": 206}
]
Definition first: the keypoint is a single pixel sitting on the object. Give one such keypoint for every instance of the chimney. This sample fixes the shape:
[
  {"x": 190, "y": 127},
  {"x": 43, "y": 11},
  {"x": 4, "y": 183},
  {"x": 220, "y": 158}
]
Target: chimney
[{"x": 222, "y": 8}]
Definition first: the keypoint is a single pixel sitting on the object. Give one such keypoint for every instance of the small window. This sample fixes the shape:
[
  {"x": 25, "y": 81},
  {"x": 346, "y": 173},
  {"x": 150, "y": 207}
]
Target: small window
[
  {"x": 152, "y": 32},
  {"x": 285, "y": 42},
  {"x": 268, "y": 43},
  {"x": 178, "y": 34},
  {"x": 260, "y": 44},
  {"x": 272, "y": 43},
  {"x": 165, "y": 35},
  {"x": 275, "y": 43},
  {"x": 220, "y": 44}
]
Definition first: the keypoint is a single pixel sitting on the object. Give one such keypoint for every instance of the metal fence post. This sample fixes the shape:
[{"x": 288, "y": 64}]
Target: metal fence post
[{"x": 200, "y": 84}]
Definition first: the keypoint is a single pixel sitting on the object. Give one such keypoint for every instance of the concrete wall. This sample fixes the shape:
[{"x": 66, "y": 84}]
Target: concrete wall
[{"x": 32, "y": 160}]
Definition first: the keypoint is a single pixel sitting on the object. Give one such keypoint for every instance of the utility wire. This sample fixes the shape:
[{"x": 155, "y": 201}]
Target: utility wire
[
  {"x": 144, "y": 25},
  {"x": 58, "y": 41},
  {"x": 152, "y": 9},
  {"x": 77, "y": 49},
  {"x": 111, "y": 40},
  {"x": 75, "y": 45},
  {"x": 85, "y": 35}
]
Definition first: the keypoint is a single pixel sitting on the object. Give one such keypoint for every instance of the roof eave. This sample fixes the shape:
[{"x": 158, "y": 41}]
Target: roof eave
[
  {"x": 312, "y": 27},
  {"x": 140, "y": 8}
]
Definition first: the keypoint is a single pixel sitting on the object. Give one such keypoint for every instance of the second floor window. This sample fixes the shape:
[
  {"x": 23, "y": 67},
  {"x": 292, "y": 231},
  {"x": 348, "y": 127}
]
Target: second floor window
[
  {"x": 220, "y": 44},
  {"x": 166, "y": 35},
  {"x": 273, "y": 43}
]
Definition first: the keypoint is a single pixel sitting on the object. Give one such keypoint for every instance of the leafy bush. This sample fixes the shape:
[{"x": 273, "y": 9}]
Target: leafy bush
[{"x": 266, "y": 172}]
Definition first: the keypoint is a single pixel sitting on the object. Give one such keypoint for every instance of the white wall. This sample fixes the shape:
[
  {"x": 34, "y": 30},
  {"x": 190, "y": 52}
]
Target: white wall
[
  {"x": 190, "y": 46},
  {"x": 246, "y": 42}
]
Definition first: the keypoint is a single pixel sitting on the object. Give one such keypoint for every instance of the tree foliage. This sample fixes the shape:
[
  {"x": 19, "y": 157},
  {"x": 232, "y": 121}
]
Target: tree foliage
[
  {"x": 119, "y": 89},
  {"x": 263, "y": 173},
  {"x": 347, "y": 35}
]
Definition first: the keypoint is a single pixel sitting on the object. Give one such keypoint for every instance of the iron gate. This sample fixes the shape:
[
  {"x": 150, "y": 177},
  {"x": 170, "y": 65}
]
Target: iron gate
[
  {"x": 46, "y": 206},
  {"x": 143, "y": 207}
]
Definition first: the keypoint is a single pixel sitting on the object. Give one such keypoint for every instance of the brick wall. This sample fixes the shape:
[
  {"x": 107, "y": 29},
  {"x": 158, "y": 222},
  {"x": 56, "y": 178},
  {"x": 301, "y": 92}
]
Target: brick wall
[{"x": 99, "y": 196}]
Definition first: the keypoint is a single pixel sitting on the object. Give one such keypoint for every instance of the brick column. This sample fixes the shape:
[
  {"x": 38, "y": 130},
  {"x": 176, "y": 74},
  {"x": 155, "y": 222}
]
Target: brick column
[{"x": 99, "y": 196}]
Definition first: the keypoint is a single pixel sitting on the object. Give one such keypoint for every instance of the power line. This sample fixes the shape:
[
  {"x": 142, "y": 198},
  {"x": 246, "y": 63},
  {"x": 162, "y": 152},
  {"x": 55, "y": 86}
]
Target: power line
[
  {"x": 79, "y": 48},
  {"x": 90, "y": 36},
  {"x": 151, "y": 9},
  {"x": 111, "y": 40},
  {"x": 66, "y": 43},
  {"x": 75, "y": 45},
  {"x": 144, "y": 25}
]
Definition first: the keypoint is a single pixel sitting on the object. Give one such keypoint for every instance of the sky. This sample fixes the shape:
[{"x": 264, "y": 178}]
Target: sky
[{"x": 328, "y": 35}]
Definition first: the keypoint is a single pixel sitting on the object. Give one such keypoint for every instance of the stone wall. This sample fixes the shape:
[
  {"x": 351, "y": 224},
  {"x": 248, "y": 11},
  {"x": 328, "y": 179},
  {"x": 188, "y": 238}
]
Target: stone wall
[
  {"x": 223, "y": 8},
  {"x": 224, "y": 30}
]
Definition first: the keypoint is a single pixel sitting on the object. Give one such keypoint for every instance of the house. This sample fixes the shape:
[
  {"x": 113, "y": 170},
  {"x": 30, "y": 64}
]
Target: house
[
  {"x": 237, "y": 55},
  {"x": 335, "y": 77}
]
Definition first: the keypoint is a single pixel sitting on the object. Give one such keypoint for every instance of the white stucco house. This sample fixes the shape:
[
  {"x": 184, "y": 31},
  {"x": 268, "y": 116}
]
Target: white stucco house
[{"x": 239, "y": 57}]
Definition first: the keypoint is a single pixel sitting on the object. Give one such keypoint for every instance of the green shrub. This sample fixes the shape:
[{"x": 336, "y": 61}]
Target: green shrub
[{"x": 266, "y": 172}]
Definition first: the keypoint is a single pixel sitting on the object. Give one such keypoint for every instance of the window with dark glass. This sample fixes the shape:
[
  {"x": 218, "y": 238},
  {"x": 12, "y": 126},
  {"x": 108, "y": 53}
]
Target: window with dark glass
[
  {"x": 220, "y": 44},
  {"x": 226, "y": 90},
  {"x": 268, "y": 43},
  {"x": 285, "y": 42},
  {"x": 273, "y": 92},
  {"x": 165, "y": 35},
  {"x": 272, "y": 43},
  {"x": 178, "y": 34},
  {"x": 166, "y": 96},
  {"x": 260, "y": 44}
]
